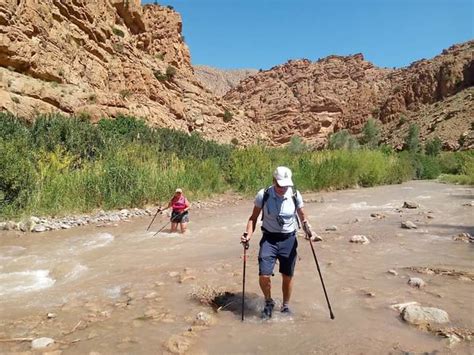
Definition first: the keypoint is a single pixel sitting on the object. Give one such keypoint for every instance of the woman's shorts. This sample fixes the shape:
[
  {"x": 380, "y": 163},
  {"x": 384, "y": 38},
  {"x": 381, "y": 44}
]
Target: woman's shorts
[
  {"x": 272, "y": 248},
  {"x": 176, "y": 217}
]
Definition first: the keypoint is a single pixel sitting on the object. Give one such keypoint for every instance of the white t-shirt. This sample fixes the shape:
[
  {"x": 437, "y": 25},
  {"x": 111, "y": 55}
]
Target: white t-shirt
[{"x": 279, "y": 211}]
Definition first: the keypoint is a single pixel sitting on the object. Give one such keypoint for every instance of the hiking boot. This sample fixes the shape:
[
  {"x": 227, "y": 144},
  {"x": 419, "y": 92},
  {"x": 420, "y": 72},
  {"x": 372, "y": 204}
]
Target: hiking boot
[
  {"x": 268, "y": 309},
  {"x": 286, "y": 310}
]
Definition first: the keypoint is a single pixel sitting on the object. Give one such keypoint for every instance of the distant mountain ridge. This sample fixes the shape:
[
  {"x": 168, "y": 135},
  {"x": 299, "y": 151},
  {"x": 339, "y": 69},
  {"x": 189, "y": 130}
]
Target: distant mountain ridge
[{"x": 219, "y": 81}]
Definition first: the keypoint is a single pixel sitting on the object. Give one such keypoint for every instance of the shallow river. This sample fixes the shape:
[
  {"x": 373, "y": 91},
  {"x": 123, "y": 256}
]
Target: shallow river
[{"x": 121, "y": 290}]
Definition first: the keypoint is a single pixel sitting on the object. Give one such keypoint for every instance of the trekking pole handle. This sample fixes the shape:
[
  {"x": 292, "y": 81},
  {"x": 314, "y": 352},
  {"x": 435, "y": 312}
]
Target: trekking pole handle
[{"x": 245, "y": 244}]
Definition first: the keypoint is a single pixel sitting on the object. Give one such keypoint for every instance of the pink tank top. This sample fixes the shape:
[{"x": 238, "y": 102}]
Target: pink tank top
[{"x": 179, "y": 204}]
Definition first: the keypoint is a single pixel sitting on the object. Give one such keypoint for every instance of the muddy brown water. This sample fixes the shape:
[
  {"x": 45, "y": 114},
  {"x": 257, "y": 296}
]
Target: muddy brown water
[{"x": 121, "y": 290}]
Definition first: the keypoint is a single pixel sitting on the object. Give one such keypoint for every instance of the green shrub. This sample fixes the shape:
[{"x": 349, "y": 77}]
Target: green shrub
[
  {"x": 168, "y": 75},
  {"x": 92, "y": 98},
  {"x": 227, "y": 116},
  {"x": 118, "y": 47},
  {"x": 118, "y": 32},
  {"x": 124, "y": 128},
  {"x": 433, "y": 147},
  {"x": 62, "y": 164},
  {"x": 412, "y": 140},
  {"x": 77, "y": 135},
  {"x": 402, "y": 120},
  {"x": 297, "y": 145},
  {"x": 424, "y": 167},
  {"x": 250, "y": 169},
  {"x": 12, "y": 128},
  {"x": 170, "y": 72},
  {"x": 342, "y": 140},
  {"x": 370, "y": 134},
  {"x": 160, "y": 76},
  {"x": 17, "y": 175},
  {"x": 125, "y": 93},
  {"x": 387, "y": 149},
  {"x": 464, "y": 170}
]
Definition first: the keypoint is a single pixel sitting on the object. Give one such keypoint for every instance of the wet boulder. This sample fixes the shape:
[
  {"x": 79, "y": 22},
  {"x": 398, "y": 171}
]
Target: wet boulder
[
  {"x": 203, "y": 319},
  {"x": 464, "y": 237},
  {"x": 408, "y": 225},
  {"x": 416, "y": 282},
  {"x": 39, "y": 228},
  {"x": 41, "y": 343},
  {"x": 424, "y": 316},
  {"x": 177, "y": 344},
  {"x": 360, "y": 239},
  {"x": 410, "y": 205}
]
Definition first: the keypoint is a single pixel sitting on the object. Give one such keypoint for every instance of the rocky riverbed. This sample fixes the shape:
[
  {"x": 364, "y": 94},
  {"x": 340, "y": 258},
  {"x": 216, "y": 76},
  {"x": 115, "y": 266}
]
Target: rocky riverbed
[{"x": 397, "y": 262}]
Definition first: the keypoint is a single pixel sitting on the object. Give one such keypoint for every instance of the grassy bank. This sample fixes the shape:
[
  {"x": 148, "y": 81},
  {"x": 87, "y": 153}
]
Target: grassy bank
[{"x": 59, "y": 165}]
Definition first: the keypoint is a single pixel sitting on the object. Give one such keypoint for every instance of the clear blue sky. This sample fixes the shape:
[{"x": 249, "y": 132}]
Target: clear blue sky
[{"x": 260, "y": 34}]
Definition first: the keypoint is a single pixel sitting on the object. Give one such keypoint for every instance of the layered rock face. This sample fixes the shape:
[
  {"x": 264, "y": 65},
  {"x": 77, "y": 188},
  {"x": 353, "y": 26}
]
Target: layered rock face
[
  {"x": 104, "y": 58},
  {"x": 311, "y": 99},
  {"x": 109, "y": 57},
  {"x": 315, "y": 99},
  {"x": 219, "y": 81}
]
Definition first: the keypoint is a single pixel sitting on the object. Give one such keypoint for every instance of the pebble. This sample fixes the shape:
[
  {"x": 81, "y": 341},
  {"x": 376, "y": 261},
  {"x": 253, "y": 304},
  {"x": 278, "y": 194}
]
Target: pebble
[
  {"x": 408, "y": 225},
  {"x": 40, "y": 343},
  {"x": 416, "y": 282},
  {"x": 104, "y": 218},
  {"x": 361, "y": 239},
  {"x": 411, "y": 205}
]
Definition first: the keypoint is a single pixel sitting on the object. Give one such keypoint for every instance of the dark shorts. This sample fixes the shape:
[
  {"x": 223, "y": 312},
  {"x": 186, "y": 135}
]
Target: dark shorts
[
  {"x": 184, "y": 218},
  {"x": 281, "y": 247}
]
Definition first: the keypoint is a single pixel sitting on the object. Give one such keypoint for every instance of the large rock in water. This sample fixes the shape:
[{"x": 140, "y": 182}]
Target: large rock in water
[
  {"x": 41, "y": 343},
  {"x": 424, "y": 316}
]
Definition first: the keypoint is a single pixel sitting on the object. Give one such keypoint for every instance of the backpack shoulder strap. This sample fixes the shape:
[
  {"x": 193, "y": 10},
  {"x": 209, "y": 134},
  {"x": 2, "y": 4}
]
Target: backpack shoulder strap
[
  {"x": 266, "y": 195},
  {"x": 294, "y": 196}
]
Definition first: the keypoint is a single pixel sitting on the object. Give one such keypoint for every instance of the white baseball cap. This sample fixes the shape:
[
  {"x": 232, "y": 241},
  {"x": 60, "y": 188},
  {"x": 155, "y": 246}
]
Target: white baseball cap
[
  {"x": 283, "y": 176},
  {"x": 179, "y": 190}
]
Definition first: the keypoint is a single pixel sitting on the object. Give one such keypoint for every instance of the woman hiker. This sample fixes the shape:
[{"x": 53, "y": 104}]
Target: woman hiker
[
  {"x": 280, "y": 206},
  {"x": 179, "y": 215}
]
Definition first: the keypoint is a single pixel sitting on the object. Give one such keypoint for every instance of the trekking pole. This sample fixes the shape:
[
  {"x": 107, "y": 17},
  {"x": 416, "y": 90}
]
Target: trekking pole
[
  {"x": 156, "y": 214},
  {"x": 162, "y": 228},
  {"x": 322, "y": 281},
  {"x": 171, "y": 220},
  {"x": 246, "y": 246}
]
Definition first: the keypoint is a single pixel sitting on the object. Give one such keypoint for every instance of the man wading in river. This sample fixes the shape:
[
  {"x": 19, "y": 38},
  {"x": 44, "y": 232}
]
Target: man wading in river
[{"x": 281, "y": 205}]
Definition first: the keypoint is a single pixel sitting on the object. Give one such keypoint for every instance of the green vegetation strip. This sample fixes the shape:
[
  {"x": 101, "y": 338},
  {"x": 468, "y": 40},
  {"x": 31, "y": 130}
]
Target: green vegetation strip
[{"x": 60, "y": 165}]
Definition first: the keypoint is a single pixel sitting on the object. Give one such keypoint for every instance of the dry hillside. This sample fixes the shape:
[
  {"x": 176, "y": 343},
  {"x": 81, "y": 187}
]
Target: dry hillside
[
  {"x": 109, "y": 57},
  {"x": 314, "y": 99},
  {"x": 105, "y": 58}
]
